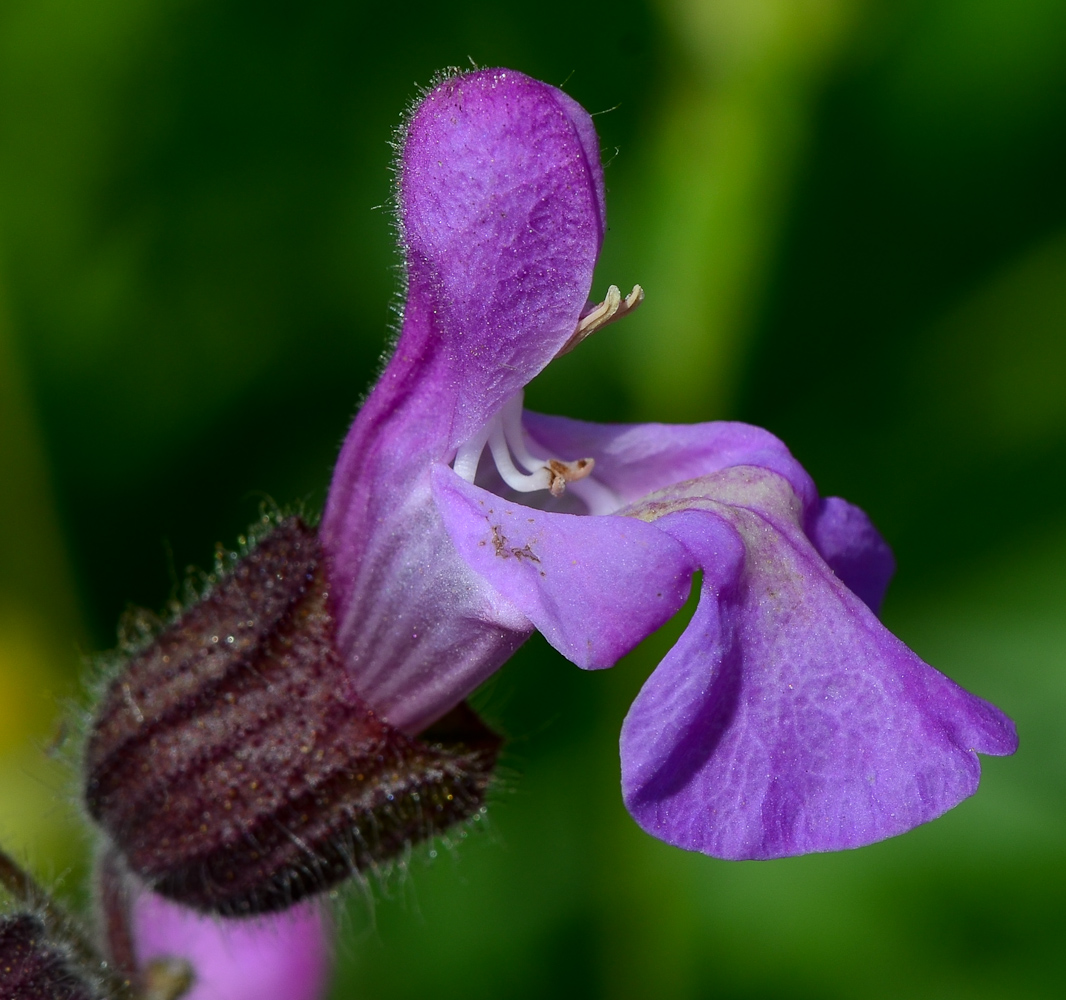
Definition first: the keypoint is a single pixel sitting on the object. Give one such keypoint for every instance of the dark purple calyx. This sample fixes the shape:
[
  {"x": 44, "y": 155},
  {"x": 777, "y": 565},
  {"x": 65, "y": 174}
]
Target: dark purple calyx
[
  {"x": 32, "y": 967},
  {"x": 236, "y": 770}
]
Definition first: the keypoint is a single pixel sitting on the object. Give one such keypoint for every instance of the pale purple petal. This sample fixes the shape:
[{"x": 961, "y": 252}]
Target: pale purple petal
[
  {"x": 281, "y": 957},
  {"x": 804, "y": 724},
  {"x": 594, "y": 586},
  {"x": 637, "y": 459},
  {"x": 854, "y": 549},
  {"x": 418, "y": 628}
]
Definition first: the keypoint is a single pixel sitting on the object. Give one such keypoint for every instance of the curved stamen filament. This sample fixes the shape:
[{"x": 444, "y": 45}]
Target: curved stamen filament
[
  {"x": 506, "y": 438},
  {"x": 469, "y": 454},
  {"x": 501, "y": 455},
  {"x": 511, "y": 418}
]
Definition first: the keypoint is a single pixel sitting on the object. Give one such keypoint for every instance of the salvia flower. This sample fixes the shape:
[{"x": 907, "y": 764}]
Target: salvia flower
[
  {"x": 305, "y": 719},
  {"x": 281, "y": 956},
  {"x": 787, "y": 719}
]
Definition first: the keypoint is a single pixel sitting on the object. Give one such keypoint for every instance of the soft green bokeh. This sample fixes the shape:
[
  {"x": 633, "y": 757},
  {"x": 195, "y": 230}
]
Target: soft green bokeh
[{"x": 850, "y": 220}]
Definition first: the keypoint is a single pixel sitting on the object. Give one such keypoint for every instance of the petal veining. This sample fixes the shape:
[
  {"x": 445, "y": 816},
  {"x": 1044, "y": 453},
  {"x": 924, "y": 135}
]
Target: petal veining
[{"x": 810, "y": 727}]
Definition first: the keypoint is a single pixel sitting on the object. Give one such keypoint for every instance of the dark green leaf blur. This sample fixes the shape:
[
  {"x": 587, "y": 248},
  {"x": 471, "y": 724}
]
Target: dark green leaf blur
[{"x": 850, "y": 220}]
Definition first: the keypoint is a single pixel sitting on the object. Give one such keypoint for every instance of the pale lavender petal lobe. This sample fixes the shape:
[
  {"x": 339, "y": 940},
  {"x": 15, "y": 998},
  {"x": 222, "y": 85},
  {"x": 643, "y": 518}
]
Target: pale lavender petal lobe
[
  {"x": 594, "y": 586},
  {"x": 854, "y": 549},
  {"x": 637, "y": 459},
  {"x": 281, "y": 957},
  {"x": 805, "y": 725}
]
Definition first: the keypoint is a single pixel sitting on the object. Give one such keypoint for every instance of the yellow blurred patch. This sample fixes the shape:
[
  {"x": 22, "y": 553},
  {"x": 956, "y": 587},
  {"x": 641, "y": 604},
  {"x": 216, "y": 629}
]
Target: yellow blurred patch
[{"x": 27, "y": 702}]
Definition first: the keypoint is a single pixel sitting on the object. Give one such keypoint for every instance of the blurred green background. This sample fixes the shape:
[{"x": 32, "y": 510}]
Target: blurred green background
[{"x": 850, "y": 219}]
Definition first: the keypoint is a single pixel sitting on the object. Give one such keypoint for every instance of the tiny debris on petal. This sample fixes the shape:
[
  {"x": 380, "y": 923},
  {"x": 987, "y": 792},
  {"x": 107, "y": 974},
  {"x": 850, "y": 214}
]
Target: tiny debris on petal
[
  {"x": 167, "y": 979},
  {"x": 234, "y": 768}
]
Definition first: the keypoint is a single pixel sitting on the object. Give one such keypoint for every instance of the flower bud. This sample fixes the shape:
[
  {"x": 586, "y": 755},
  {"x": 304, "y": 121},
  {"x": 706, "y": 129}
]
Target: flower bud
[
  {"x": 33, "y": 968},
  {"x": 233, "y": 765}
]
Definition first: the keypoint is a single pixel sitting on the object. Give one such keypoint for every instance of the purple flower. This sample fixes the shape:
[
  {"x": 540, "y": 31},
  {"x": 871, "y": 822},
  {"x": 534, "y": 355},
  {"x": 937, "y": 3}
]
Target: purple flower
[
  {"x": 278, "y": 957},
  {"x": 787, "y": 719}
]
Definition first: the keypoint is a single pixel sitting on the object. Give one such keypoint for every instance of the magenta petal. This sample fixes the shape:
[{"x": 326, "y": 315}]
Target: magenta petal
[
  {"x": 854, "y": 549},
  {"x": 637, "y": 459},
  {"x": 281, "y": 957},
  {"x": 787, "y": 719},
  {"x": 594, "y": 586},
  {"x": 501, "y": 211}
]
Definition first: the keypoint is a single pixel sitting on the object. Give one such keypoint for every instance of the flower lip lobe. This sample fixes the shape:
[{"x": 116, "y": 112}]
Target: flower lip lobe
[
  {"x": 240, "y": 776},
  {"x": 787, "y": 719}
]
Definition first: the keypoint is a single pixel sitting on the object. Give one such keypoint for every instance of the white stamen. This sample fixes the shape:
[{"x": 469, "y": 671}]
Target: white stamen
[
  {"x": 506, "y": 437},
  {"x": 511, "y": 417},
  {"x": 469, "y": 454},
  {"x": 501, "y": 455},
  {"x": 559, "y": 473}
]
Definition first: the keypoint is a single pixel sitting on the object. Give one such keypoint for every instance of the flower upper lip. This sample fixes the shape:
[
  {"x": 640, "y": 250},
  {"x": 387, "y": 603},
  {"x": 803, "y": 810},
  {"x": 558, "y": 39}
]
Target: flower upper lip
[
  {"x": 501, "y": 220},
  {"x": 786, "y": 719}
]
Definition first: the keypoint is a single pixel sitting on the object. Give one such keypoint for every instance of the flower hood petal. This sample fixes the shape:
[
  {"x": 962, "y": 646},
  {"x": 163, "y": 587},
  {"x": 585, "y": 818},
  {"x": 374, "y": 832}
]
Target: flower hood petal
[{"x": 501, "y": 219}]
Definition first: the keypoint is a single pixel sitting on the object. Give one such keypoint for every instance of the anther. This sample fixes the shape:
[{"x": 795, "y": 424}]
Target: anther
[
  {"x": 567, "y": 472},
  {"x": 612, "y": 308}
]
